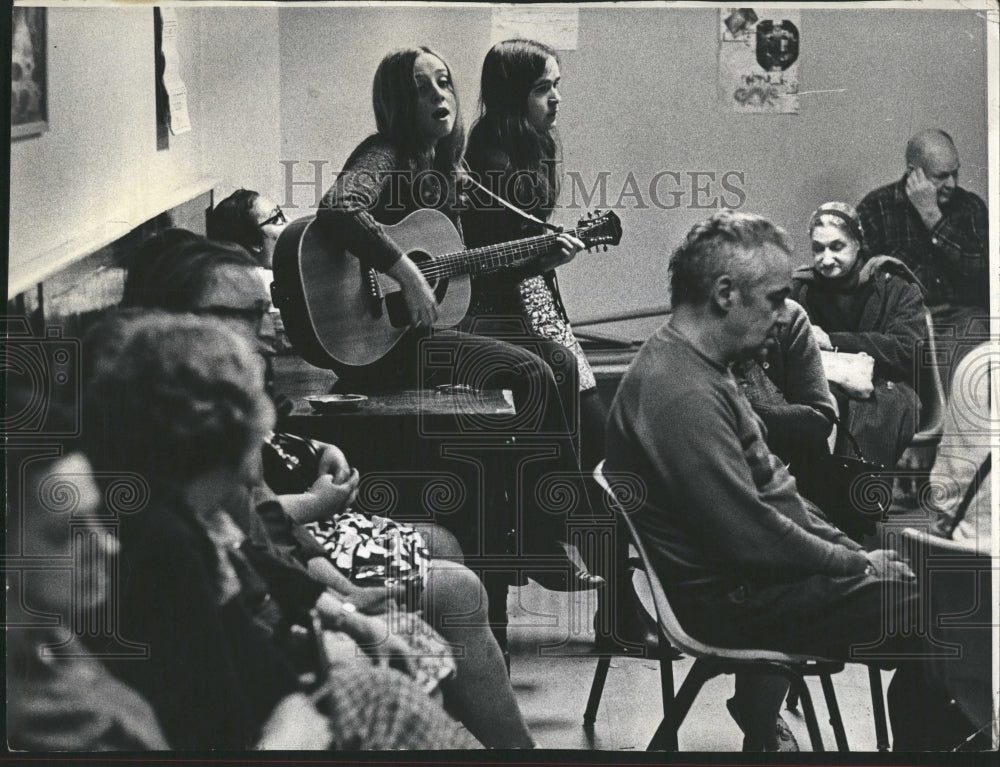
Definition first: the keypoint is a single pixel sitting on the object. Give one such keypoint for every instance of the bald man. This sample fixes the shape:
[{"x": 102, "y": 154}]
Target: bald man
[{"x": 935, "y": 227}]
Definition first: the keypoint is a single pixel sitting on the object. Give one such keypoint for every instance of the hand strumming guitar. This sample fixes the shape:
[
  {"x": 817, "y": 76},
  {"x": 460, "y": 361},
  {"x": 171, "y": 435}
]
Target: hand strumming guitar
[{"x": 417, "y": 292}]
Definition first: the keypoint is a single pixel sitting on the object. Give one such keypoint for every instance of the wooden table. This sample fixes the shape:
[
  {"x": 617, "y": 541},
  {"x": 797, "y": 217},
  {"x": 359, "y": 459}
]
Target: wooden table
[{"x": 426, "y": 457}]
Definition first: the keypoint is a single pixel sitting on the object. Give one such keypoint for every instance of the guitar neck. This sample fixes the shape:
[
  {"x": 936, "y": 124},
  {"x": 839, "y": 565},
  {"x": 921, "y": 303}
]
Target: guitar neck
[{"x": 490, "y": 258}]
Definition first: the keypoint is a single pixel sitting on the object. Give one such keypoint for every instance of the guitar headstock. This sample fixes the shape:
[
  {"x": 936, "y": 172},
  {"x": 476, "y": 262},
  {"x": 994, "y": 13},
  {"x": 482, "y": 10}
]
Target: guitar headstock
[{"x": 600, "y": 229}]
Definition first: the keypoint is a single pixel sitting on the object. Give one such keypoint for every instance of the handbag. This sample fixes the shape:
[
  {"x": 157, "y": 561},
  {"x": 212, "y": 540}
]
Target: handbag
[
  {"x": 290, "y": 463},
  {"x": 852, "y": 493},
  {"x": 854, "y": 372}
]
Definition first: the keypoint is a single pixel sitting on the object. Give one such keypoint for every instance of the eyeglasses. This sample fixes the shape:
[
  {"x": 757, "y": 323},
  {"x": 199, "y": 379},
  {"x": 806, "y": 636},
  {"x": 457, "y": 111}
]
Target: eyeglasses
[
  {"x": 253, "y": 315},
  {"x": 277, "y": 217}
]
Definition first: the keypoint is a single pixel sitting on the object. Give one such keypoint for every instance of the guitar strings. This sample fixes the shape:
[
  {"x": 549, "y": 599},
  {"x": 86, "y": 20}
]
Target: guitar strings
[{"x": 451, "y": 264}]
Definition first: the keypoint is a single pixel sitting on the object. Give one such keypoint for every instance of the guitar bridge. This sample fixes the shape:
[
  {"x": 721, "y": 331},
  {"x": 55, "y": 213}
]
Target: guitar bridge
[{"x": 373, "y": 291}]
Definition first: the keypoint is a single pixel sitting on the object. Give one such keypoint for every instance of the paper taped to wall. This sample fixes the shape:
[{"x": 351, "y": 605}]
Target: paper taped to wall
[{"x": 180, "y": 122}]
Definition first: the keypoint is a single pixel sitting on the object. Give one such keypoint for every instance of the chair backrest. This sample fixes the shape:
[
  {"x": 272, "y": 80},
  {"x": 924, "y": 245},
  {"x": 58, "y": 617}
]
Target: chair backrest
[
  {"x": 930, "y": 388},
  {"x": 669, "y": 624}
]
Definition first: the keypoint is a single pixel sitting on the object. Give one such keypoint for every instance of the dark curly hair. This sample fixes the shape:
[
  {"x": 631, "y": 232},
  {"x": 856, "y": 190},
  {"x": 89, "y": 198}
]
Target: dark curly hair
[
  {"x": 170, "y": 397},
  {"x": 714, "y": 247}
]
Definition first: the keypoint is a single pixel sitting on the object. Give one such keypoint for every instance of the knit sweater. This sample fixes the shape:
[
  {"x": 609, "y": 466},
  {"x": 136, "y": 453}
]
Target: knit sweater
[
  {"x": 377, "y": 186},
  {"x": 716, "y": 503}
]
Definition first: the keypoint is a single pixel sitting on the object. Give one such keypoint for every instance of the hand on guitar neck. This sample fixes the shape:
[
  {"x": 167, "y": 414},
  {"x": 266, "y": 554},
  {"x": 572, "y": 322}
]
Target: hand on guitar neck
[
  {"x": 420, "y": 299},
  {"x": 563, "y": 251}
]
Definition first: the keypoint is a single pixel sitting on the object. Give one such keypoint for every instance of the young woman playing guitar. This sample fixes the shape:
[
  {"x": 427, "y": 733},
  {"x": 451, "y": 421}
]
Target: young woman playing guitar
[{"x": 413, "y": 162}]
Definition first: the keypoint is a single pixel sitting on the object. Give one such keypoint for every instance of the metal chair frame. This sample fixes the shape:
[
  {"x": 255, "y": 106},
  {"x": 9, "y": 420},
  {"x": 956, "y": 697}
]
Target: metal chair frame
[{"x": 711, "y": 661}]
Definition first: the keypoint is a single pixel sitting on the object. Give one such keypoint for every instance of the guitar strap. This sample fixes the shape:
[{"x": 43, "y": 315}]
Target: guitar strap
[
  {"x": 553, "y": 283},
  {"x": 514, "y": 208}
]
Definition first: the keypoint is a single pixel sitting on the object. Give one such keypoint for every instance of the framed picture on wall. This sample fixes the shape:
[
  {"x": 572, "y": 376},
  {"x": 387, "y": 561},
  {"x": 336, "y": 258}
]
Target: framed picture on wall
[{"x": 29, "y": 109}]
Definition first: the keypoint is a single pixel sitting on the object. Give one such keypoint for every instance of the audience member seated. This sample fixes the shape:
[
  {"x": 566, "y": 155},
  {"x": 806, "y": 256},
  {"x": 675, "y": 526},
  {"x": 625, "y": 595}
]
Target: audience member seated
[
  {"x": 252, "y": 221},
  {"x": 61, "y": 697},
  {"x": 859, "y": 302},
  {"x": 960, "y": 495},
  {"x": 179, "y": 403},
  {"x": 745, "y": 560},
  {"x": 65, "y": 700},
  {"x": 248, "y": 219},
  {"x": 217, "y": 279},
  {"x": 786, "y": 386},
  {"x": 940, "y": 231}
]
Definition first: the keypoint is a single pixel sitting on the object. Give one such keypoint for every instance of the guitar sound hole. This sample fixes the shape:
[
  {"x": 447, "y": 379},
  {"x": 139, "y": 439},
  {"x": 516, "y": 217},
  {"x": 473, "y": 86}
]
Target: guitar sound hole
[
  {"x": 395, "y": 304},
  {"x": 399, "y": 315}
]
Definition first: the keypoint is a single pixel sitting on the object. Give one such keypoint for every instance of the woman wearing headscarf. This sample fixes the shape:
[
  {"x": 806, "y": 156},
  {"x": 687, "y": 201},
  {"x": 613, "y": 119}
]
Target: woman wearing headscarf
[{"x": 859, "y": 302}]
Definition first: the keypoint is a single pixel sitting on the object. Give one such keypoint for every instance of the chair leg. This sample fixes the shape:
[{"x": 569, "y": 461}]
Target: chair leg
[
  {"x": 792, "y": 701},
  {"x": 810, "y": 715},
  {"x": 834, "y": 708},
  {"x": 596, "y": 690},
  {"x": 700, "y": 673},
  {"x": 878, "y": 709},
  {"x": 665, "y": 737}
]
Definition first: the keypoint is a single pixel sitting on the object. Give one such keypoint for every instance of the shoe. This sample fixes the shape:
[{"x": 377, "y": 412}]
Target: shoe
[
  {"x": 578, "y": 579},
  {"x": 634, "y": 627},
  {"x": 784, "y": 739}
]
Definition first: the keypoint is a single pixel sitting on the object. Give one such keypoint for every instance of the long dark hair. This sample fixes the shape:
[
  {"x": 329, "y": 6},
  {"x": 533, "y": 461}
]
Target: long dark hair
[
  {"x": 509, "y": 71},
  {"x": 394, "y": 99}
]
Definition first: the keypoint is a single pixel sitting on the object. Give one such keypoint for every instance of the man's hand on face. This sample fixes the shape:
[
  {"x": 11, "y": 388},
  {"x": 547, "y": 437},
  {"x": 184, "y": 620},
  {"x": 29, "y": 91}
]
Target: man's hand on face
[{"x": 922, "y": 193}]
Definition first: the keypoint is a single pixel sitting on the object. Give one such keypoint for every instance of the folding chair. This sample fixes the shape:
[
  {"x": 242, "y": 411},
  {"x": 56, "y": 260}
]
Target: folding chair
[
  {"x": 931, "y": 391},
  {"x": 712, "y": 661}
]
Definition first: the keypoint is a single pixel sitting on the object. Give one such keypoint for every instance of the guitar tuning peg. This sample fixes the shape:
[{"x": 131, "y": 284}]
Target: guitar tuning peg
[{"x": 605, "y": 248}]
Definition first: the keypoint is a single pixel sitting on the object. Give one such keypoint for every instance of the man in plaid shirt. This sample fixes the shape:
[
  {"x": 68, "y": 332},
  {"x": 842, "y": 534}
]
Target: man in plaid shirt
[{"x": 937, "y": 229}]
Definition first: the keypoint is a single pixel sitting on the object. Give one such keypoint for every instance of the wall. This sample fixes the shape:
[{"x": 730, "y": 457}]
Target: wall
[
  {"x": 269, "y": 84},
  {"x": 96, "y": 172},
  {"x": 328, "y": 59},
  {"x": 639, "y": 95}
]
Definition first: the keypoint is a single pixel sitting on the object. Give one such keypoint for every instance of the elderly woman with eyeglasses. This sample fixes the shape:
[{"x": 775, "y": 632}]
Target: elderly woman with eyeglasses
[{"x": 859, "y": 302}]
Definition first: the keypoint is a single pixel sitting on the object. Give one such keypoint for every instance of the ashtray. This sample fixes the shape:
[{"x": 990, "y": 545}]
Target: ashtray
[{"x": 336, "y": 403}]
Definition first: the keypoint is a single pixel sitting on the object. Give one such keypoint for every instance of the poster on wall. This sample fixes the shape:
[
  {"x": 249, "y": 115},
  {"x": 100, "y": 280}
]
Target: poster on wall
[
  {"x": 29, "y": 109},
  {"x": 759, "y": 60}
]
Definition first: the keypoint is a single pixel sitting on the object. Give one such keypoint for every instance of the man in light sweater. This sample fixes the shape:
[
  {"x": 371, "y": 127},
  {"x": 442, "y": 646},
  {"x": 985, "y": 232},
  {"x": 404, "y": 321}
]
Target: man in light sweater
[{"x": 745, "y": 560}]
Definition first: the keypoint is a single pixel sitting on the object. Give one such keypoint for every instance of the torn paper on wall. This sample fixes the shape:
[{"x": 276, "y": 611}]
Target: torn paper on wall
[
  {"x": 759, "y": 59},
  {"x": 180, "y": 122}
]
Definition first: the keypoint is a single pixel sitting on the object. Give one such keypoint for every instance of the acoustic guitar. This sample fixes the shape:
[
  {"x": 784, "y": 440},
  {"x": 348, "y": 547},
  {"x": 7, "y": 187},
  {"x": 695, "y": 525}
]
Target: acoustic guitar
[{"x": 339, "y": 313}]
